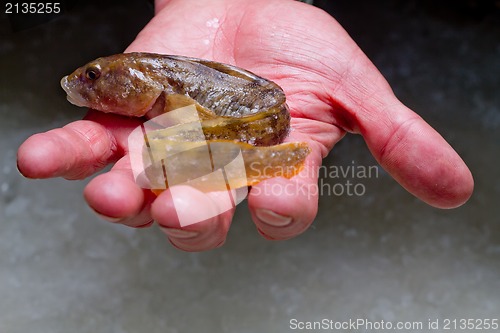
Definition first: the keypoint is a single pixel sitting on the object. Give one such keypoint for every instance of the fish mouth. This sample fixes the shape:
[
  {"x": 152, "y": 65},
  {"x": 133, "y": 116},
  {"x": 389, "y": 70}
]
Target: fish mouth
[{"x": 73, "y": 98}]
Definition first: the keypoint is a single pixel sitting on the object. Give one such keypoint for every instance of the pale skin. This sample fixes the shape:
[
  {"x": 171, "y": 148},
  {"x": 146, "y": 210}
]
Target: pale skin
[{"x": 332, "y": 88}]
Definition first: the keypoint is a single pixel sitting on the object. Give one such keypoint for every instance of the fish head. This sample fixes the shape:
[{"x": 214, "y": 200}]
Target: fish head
[{"x": 117, "y": 84}]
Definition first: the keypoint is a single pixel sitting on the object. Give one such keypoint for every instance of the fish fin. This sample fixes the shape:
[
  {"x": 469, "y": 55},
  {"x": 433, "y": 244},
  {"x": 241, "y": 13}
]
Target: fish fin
[
  {"x": 176, "y": 101},
  {"x": 225, "y": 68}
]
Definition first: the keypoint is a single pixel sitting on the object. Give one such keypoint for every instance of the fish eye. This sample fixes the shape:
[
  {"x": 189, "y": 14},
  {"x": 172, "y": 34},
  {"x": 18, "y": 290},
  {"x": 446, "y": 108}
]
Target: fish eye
[{"x": 92, "y": 73}]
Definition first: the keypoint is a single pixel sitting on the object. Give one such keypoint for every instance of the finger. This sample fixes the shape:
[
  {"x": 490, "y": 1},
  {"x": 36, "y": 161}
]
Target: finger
[
  {"x": 116, "y": 197},
  {"x": 119, "y": 127},
  {"x": 420, "y": 159},
  {"x": 401, "y": 141},
  {"x": 193, "y": 220},
  {"x": 73, "y": 152},
  {"x": 76, "y": 150},
  {"x": 283, "y": 208}
]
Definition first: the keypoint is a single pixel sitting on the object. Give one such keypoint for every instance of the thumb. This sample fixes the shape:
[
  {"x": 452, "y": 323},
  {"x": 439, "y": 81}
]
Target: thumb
[{"x": 406, "y": 146}]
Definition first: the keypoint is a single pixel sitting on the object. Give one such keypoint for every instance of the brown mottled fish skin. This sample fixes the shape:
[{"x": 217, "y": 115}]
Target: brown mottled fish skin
[
  {"x": 242, "y": 105},
  {"x": 239, "y": 111}
]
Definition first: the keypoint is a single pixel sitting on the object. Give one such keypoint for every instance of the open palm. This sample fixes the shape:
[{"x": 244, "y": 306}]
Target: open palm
[{"x": 331, "y": 87}]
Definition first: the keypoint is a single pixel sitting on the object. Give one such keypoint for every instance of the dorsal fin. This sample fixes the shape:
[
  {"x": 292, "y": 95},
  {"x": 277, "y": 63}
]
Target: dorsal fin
[{"x": 226, "y": 69}]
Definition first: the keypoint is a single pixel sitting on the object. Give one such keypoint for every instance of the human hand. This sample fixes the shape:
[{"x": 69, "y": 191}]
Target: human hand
[{"x": 331, "y": 87}]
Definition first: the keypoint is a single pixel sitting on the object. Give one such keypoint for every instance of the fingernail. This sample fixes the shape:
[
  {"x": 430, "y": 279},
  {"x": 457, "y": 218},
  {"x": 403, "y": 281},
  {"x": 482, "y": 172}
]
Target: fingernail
[
  {"x": 178, "y": 233},
  {"x": 273, "y": 219},
  {"x": 109, "y": 218},
  {"x": 145, "y": 225}
]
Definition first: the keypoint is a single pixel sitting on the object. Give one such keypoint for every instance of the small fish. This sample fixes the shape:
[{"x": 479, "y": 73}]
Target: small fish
[{"x": 235, "y": 106}]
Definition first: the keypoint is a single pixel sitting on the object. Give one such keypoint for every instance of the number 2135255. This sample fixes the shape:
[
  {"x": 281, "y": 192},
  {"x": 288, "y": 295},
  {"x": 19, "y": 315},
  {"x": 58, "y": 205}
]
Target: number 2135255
[{"x": 32, "y": 8}]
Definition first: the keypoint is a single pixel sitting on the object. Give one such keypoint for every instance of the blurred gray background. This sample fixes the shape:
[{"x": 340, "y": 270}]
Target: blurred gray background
[{"x": 381, "y": 256}]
